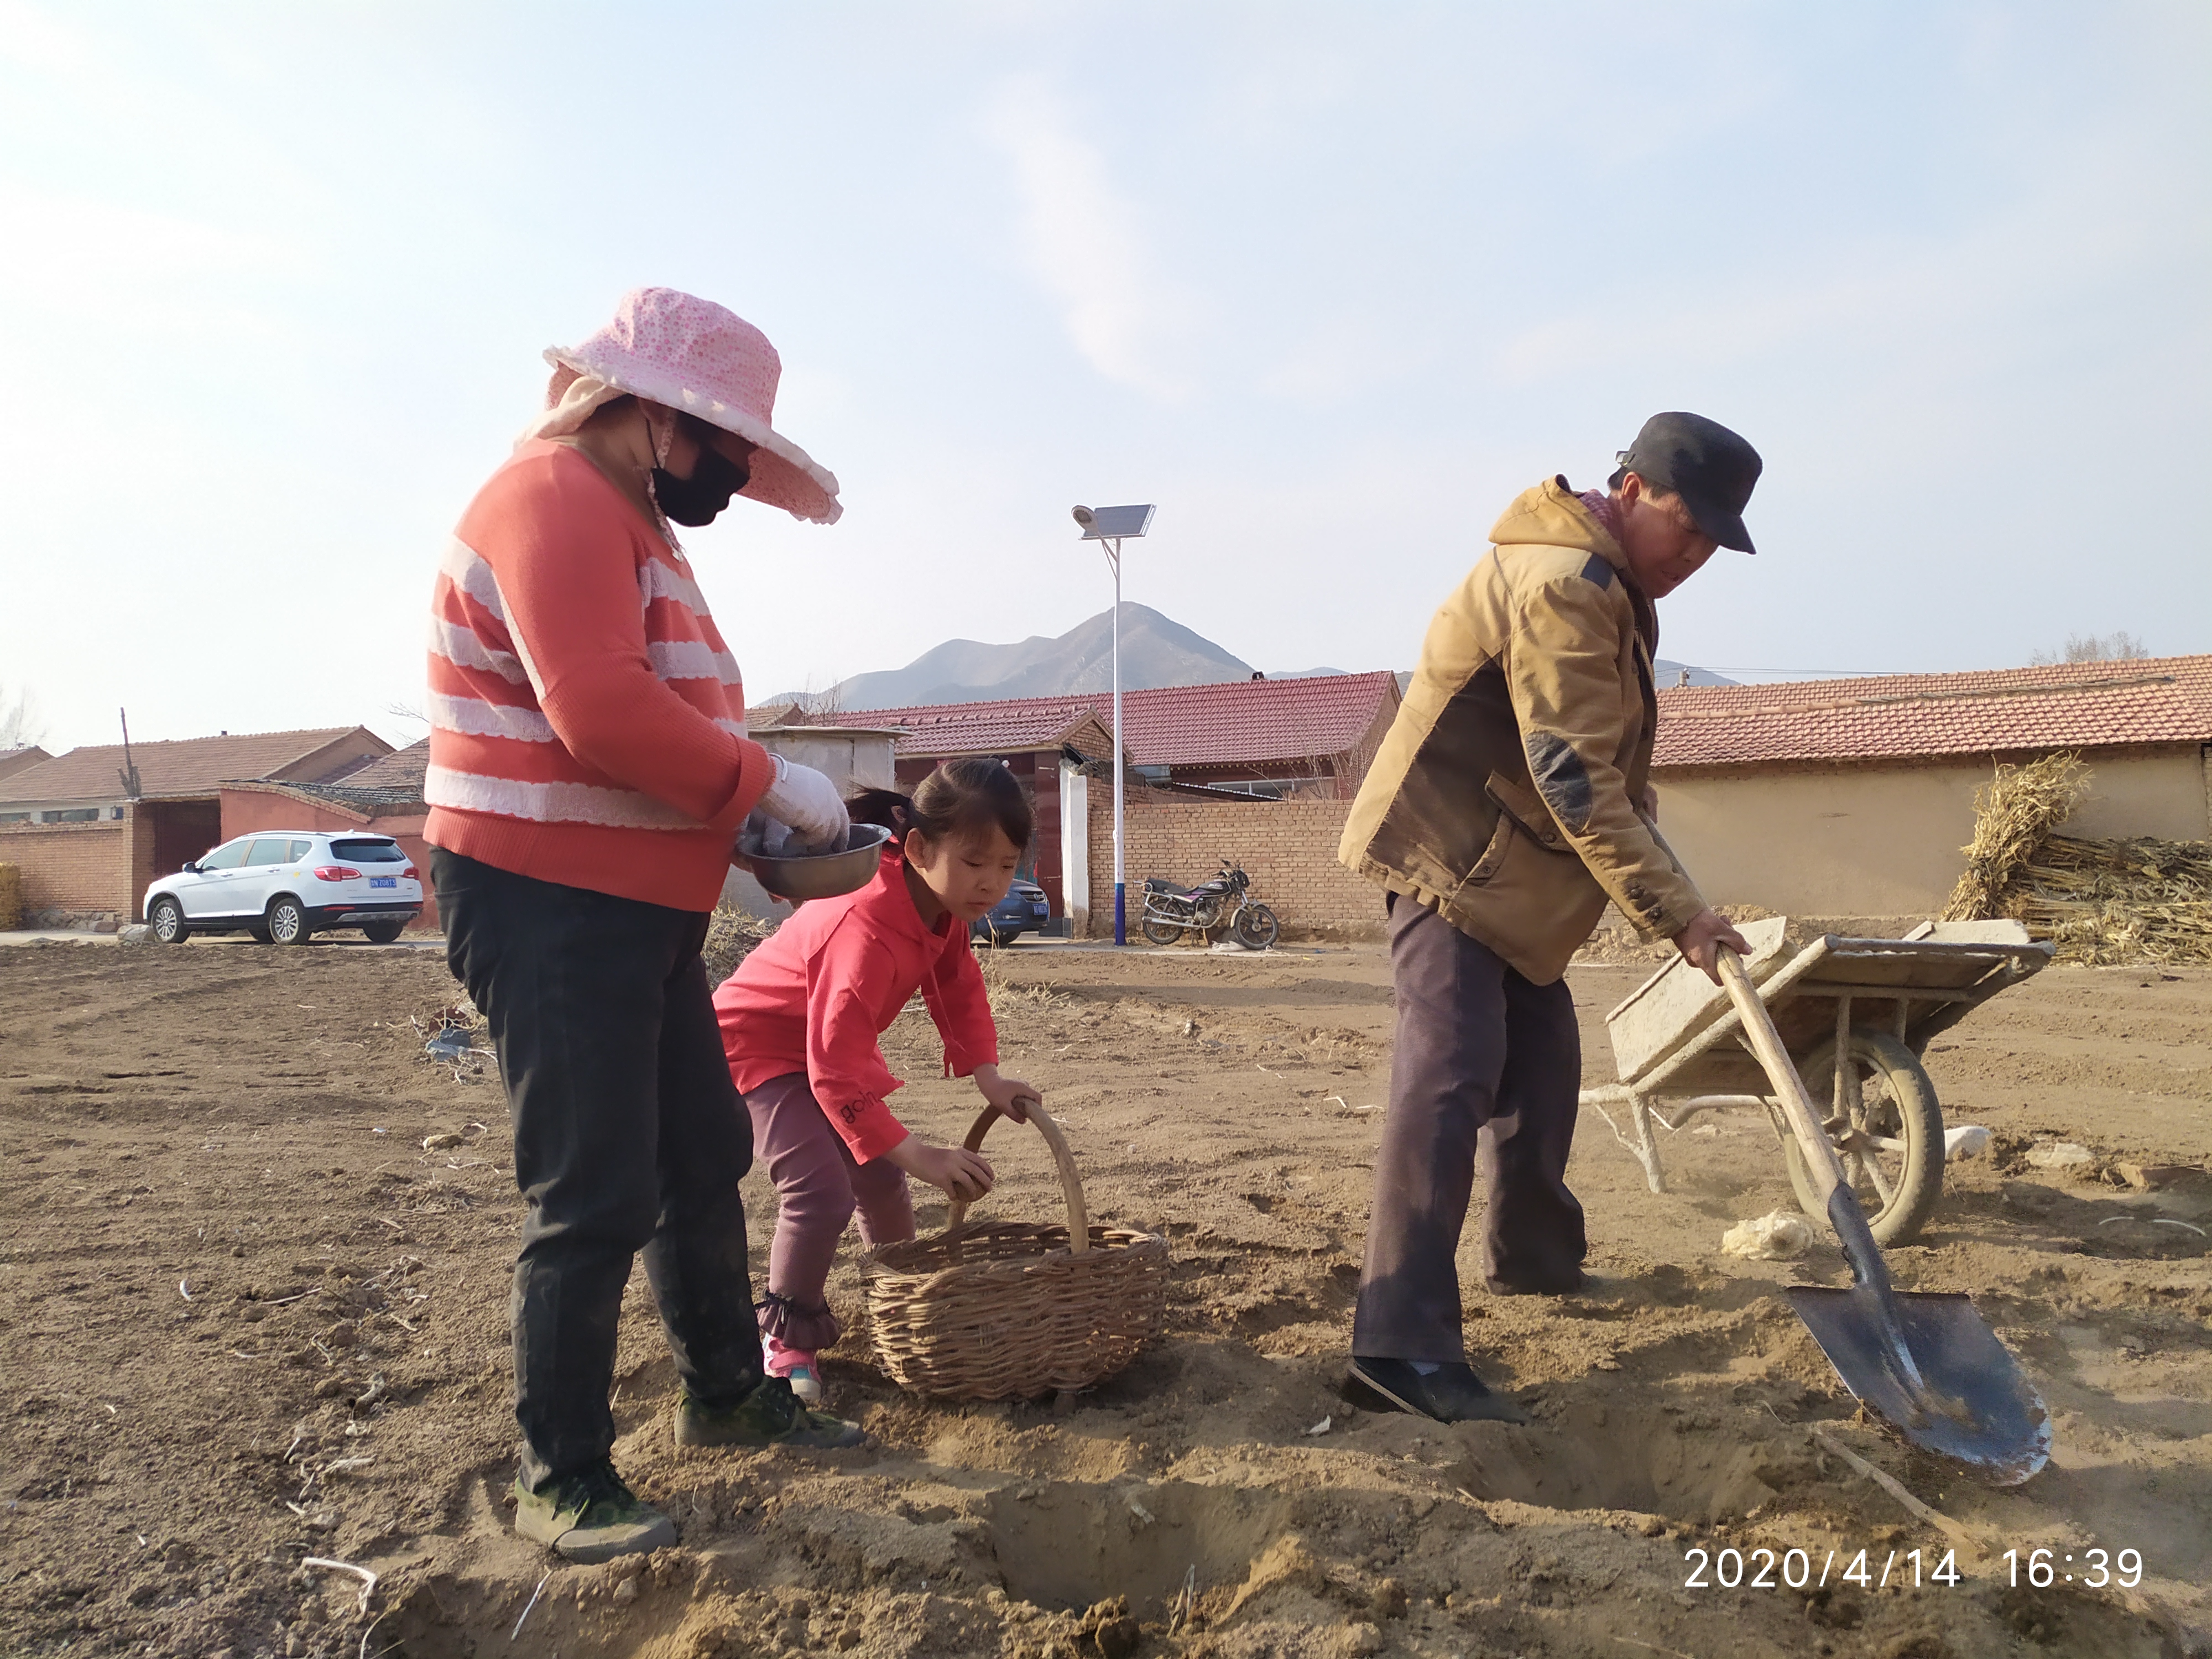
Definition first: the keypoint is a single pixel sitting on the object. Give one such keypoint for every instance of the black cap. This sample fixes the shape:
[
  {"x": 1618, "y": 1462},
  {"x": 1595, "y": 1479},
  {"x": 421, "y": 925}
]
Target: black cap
[{"x": 1709, "y": 466}]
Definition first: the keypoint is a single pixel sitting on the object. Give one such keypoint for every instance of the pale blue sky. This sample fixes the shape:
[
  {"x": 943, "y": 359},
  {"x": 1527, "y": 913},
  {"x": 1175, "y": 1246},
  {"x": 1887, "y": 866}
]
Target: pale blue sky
[{"x": 1329, "y": 284}]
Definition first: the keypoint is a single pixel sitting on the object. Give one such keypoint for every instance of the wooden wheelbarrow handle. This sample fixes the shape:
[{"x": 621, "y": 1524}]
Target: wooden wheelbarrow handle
[
  {"x": 1821, "y": 1159},
  {"x": 1071, "y": 1184}
]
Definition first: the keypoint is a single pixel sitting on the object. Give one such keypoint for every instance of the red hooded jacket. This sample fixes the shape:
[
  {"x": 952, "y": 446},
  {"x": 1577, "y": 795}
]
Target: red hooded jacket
[{"x": 817, "y": 995}]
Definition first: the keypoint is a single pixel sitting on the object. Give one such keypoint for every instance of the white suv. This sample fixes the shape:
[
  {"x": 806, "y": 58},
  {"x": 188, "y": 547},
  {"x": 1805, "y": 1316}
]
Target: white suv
[{"x": 282, "y": 885}]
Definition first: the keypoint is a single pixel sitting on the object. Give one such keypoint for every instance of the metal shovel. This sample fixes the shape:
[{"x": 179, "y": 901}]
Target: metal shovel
[{"x": 1928, "y": 1363}]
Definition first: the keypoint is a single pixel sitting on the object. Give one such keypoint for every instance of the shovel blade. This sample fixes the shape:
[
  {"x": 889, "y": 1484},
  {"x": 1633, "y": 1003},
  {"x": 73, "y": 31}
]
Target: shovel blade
[{"x": 1978, "y": 1406}]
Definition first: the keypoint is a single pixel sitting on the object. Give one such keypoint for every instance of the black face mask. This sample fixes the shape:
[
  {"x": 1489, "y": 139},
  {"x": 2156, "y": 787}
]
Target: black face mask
[{"x": 696, "y": 500}]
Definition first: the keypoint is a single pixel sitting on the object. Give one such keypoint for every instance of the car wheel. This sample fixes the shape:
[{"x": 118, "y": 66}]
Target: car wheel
[
  {"x": 166, "y": 919},
  {"x": 384, "y": 933},
  {"x": 287, "y": 922}
]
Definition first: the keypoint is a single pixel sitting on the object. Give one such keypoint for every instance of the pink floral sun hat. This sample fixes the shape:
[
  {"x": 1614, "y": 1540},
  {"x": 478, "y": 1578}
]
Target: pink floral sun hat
[{"x": 690, "y": 353}]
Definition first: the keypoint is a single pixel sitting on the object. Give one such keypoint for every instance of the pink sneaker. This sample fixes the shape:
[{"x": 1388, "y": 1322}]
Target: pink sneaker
[{"x": 795, "y": 1366}]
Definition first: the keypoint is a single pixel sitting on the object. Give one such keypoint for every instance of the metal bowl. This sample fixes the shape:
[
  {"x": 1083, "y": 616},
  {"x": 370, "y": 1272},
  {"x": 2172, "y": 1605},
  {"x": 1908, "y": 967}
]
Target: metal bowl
[{"x": 824, "y": 875}]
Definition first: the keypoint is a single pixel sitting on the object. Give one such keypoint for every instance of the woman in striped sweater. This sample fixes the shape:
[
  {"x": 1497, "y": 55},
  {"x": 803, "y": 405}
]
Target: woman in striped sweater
[{"x": 589, "y": 769}]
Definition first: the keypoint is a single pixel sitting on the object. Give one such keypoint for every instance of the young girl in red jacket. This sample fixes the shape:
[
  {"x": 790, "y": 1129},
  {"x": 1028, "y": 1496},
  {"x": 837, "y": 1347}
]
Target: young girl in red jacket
[{"x": 800, "y": 1022}]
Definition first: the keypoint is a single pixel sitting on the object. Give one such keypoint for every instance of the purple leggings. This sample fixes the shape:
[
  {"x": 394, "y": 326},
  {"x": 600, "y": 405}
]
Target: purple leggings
[{"x": 817, "y": 1187}]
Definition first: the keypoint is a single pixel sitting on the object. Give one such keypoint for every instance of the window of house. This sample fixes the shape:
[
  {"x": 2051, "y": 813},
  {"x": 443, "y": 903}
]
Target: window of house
[
  {"x": 14, "y": 817},
  {"x": 75, "y": 815}
]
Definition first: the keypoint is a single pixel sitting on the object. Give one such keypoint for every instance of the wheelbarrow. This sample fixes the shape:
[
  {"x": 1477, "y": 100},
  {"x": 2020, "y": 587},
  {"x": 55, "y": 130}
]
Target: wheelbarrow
[
  {"x": 1926, "y": 1362},
  {"x": 1679, "y": 1047}
]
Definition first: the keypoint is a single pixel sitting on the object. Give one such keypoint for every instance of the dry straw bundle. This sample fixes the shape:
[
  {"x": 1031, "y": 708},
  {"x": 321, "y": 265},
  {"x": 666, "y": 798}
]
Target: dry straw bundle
[
  {"x": 2139, "y": 900},
  {"x": 2014, "y": 814},
  {"x": 11, "y": 898},
  {"x": 2119, "y": 900}
]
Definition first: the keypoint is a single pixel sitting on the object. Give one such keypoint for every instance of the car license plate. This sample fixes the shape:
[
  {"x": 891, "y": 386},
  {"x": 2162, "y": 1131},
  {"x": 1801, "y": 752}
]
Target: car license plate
[{"x": 384, "y": 881}]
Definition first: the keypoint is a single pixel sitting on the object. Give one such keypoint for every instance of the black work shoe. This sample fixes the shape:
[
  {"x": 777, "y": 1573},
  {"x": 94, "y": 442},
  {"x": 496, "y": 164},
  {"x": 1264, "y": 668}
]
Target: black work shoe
[
  {"x": 590, "y": 1516},
  {"x": 1582, "y": 1284},
  {"x": 771, "y": 1415},
  {"x": 1450, "y": 1394}
]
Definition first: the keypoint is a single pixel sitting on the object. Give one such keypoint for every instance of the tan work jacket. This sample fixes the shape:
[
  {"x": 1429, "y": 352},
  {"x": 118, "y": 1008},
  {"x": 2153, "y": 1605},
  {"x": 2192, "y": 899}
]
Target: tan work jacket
[{"x": 1506, "y": 793}]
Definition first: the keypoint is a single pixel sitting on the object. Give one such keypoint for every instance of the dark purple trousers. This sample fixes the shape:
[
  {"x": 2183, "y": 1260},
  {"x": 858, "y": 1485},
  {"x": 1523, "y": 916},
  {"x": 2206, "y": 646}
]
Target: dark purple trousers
[{"x": 1487, "y": 1070}]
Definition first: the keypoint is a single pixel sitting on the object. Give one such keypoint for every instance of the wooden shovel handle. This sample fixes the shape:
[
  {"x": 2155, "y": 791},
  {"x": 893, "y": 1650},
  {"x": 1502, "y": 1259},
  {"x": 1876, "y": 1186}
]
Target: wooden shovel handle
[
  {"x": 1821, "y": 1158},
  {"x": 1071, "y": 1184}
]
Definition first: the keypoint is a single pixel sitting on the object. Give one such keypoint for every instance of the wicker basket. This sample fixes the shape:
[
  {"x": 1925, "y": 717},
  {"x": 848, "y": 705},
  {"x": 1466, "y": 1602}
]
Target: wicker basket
[{"x": 1008, "y": 1310}]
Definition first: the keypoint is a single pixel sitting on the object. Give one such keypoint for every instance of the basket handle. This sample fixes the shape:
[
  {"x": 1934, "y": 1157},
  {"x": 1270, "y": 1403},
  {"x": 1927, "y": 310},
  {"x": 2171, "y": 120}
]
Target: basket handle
[{"x": 1071, "y": 1184}]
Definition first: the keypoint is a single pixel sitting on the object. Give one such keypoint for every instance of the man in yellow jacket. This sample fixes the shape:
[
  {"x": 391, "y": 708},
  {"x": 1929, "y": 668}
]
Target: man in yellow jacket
[{"x": 1511, "y": 802}]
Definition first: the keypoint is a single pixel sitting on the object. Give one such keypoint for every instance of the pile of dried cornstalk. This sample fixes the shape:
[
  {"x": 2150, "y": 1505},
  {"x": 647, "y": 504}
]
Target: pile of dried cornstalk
[
  {"x": 2138, "y": 900},
  {"x": 731, "y": 936}
]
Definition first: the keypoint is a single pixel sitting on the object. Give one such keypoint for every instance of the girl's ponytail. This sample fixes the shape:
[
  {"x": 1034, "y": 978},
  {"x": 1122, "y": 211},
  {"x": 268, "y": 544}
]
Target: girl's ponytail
[
  {"x": 967, "y": 797},
  {"x": 884, "y": 807}
]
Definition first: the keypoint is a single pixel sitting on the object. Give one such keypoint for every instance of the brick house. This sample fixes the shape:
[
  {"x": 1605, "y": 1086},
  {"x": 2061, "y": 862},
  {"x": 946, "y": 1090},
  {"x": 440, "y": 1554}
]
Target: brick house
[
  {"x": 1855, "y": 797},
  {"x": 1310, "y": 740},
  {"x": 1046, "y": 742},
  {"x": 383, "y": 798},
  {"x": 87, "y": 837}
]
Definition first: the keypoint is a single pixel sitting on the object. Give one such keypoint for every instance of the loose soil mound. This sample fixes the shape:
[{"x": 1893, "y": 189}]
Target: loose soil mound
[{"x": 249, "y": 1318}]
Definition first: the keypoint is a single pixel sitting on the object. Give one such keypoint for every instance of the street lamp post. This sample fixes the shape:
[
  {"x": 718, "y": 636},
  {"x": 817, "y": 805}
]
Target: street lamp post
[{"x": 1106, "y": 525}]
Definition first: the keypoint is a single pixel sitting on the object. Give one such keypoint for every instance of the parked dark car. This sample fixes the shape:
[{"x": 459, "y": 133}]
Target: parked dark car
[{"x": 1024, "y": 910}]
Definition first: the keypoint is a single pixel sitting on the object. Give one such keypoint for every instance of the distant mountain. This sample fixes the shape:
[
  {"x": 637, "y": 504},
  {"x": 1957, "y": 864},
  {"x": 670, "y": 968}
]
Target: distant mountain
[{"x": 1156, "y": 651}]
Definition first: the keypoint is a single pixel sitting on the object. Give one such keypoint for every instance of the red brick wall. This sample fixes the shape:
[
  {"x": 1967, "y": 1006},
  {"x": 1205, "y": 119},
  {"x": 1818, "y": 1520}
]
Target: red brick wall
[
  {"x": 74, "y": 868},
  {"x": 1288, "y": 848}
]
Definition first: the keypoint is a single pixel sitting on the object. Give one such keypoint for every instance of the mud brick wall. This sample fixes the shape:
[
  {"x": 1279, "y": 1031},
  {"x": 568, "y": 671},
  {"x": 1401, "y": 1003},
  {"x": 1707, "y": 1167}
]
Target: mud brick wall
[
  {"x": 1288, "y": 848},
  {"x": 77, "y": 867}
]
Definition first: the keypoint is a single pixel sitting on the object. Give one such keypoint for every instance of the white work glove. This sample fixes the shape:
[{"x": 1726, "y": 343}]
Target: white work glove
[{"x": 807, "y": 803}]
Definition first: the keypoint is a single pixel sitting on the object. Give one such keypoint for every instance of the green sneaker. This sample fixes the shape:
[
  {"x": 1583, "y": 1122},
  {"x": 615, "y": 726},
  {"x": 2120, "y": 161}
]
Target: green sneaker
[
  {"x": 771, "y": 1415},
  {"x": 590, "y": 1516}
]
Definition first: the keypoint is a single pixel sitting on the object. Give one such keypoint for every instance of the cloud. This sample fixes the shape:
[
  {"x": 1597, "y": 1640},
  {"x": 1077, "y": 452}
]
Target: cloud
[{"x": 1086, "y": 241}]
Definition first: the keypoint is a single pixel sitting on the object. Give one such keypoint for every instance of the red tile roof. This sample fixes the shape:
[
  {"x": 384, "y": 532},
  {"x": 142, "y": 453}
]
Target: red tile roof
[
  {"x": 2156, "y": 700},
  {"x": 1008, "y": 726},
  {"x": 403, "y": 769},
  {"x": 188, "y": 767},
  {"x": 1229, "y": 723},
  {"x": 378, "y": 784},
  {"x": 1236, "y": 721},
  {"x": 14, "y": 760}
]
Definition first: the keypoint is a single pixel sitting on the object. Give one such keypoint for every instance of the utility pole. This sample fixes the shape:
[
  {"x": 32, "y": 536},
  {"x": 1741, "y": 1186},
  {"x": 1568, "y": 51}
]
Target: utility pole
[
  {"x": 1106, "y": 525},
  {"x": 128, "y": 774}
]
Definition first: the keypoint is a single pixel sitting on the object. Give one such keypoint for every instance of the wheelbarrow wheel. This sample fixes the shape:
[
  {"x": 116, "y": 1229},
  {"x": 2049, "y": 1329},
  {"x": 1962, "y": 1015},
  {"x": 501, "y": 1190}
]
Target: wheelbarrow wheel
[{"x": 1894, "y": 1153}]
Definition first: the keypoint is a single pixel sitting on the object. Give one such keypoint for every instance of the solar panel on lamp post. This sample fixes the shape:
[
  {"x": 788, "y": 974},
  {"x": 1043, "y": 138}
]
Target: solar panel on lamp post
[{"x": 1106, "y": 525}]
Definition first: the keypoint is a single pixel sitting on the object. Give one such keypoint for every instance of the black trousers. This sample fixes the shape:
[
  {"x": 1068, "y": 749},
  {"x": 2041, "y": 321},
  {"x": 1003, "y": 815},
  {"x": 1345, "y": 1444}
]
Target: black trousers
[
  {"x": 1486, "y": 1069},
  {"x": 628, "y": 1136}
]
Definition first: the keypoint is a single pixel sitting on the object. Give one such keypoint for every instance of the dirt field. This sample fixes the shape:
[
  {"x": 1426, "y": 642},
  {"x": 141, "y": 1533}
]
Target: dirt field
[{"x": 248, "y": 1318}]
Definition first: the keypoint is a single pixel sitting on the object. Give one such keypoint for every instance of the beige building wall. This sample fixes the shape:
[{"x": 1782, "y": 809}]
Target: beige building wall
[{"x": 1889, "y": 840}]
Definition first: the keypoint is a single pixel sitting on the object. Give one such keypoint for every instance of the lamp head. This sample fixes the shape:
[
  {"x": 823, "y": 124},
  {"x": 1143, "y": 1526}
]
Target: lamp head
[{"x": 1083, "y": 517}]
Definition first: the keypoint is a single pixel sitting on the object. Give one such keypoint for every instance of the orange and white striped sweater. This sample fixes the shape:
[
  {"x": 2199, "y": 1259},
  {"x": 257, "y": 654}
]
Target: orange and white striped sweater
[{"x": 587, "y": 724}]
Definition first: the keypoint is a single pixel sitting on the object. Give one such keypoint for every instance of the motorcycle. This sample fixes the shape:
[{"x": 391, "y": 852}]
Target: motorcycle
[{"x": 1225, "y": 901}]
